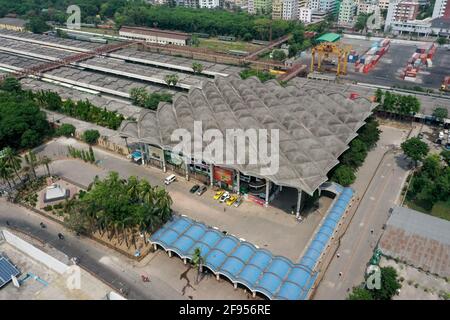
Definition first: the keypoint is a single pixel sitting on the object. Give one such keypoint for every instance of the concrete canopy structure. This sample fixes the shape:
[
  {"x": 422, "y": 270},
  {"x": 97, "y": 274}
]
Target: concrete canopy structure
[{"x": 315, "y": 127}]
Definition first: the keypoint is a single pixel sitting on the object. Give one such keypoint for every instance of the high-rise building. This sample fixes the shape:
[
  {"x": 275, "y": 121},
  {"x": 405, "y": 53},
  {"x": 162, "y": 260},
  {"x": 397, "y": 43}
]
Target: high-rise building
[
  {"x": 210, "y": 4},
  {"x": 305, "y": 14},
  {"x": 347, "y": 13},
  {"x": 402, "y": 10},
  {"x": 277, "y": 9},
  {"x": 383, "y": 4},
  {"x": 367, "y": 7},
  {"x": 259, "y": 6},
  {"x": 441, "y": 8},
  {"x": 323, "y": 5}
]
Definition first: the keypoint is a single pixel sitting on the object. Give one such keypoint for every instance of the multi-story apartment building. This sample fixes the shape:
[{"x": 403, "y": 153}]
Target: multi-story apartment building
[
  {"x": 277, "y": 9},
  {"x": 367, "y": 7},
  {"x": 347, "y": 12},
  {"x": 210, "y": 4},
  {"x": 305, "y": 14},
  {"x": 323, "y": 5},
  {"x": 441, "y": 7},
  {"x": 290, "y": 10},
  {"x": 383, "y": 4},
  {"x": 259, "y": 6},
  {"x": 402, "y": 10}
]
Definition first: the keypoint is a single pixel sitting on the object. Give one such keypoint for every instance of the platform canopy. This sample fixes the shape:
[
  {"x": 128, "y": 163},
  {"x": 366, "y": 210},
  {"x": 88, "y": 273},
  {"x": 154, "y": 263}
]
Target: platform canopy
[{"x": 315, "y": 126}]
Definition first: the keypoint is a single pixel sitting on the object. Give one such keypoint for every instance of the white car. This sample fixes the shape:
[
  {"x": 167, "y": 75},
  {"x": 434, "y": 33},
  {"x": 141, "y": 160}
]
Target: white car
[{"x": 224, "y": 197}]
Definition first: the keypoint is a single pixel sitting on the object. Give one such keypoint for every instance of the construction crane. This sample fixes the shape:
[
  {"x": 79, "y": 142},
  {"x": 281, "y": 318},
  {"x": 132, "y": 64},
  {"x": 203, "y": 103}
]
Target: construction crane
[{"x": 325, "y": 51}]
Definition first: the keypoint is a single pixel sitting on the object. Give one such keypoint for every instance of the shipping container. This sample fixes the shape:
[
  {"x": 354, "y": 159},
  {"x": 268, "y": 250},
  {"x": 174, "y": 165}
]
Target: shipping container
[
  {"x": 410, "y": 79},
  {"x": 429, "y": 63}
]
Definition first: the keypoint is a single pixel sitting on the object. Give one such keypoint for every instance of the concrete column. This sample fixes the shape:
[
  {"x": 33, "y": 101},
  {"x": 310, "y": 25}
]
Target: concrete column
[
  {"x": 281, "y": 188},
  {"x": 184, "y": 261},
  {"x": 238, "y": 182},
  {"x": 155, "y": 247},
  {"x": 299, "y": 203},
  {"x": 170, "y": 254},
  {"x": 267, "y": 192},
  {"x": 211, "y": 174},
  {"x": 235, "y": 286},
  {"x": 218, "y": 277}
]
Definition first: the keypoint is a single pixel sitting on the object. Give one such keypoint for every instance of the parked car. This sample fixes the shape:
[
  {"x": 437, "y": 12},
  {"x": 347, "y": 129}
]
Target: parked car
[
  {"x": 194, "y": 188},
  {"x": 218, "y": 194},
  {"x": 170, "y": 179},
  {"x": 238, "y": 202},
  {"x": 201, "y": 190},
  {"x": 225, "y": 196},
  {"x": 231, "y": 200}
]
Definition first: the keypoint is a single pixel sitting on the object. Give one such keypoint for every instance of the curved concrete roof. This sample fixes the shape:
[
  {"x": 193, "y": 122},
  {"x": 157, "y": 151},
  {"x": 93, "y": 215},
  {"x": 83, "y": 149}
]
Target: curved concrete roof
[{"x": 315, "y": 127}]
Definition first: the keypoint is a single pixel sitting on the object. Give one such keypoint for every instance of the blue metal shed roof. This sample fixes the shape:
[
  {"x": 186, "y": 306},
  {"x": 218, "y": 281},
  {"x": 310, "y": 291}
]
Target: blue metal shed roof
[{"x": 258, "y": 269}]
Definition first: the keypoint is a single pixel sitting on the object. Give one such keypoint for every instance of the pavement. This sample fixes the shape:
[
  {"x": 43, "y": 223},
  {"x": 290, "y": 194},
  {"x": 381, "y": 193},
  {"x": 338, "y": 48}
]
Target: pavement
[
  {"x": 357, "y": 244},
  {"x": 169, "y": 278},
  {"x": 270, "y": 228}
]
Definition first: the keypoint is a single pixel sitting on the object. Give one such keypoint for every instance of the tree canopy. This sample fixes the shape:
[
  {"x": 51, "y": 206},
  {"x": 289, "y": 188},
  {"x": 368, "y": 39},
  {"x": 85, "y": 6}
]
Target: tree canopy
[{"x": 415, "y": 149}]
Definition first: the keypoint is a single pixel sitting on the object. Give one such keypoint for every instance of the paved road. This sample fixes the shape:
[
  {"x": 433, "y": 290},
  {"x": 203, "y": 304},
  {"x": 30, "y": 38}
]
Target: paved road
[
  {"x": 90, "y": 253},
  {"x": 358, "y": 243}
]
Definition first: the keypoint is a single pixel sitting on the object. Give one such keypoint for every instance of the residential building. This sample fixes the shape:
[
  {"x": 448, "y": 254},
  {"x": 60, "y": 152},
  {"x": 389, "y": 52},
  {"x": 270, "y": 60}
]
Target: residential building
[
  {"x": 277, "y": 9},
  {"x": 347, "y": 12},
  {"x": 209, "y": 4},
  {"x": 14, "y": 24},
  {"x": 155, "y": 35},
  {"x": 305, "y": 15},
  {"x": 290, "y": 9},
  {"x": 441, "y": 26},
  {"x": 419, "y": 27},
  {"x": 383, "y": 4},
  {"x": 317, "y": 16},
  {"x": 366, "y": 7},
  {"x": 441, "y": 8},
  {"x": 260, "y": 6},
  {"x": 401, "y": 11}
]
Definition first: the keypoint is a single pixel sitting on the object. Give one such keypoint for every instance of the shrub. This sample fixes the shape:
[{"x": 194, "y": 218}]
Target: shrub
[
  {"x": 91, "y": 136},
  {"x": 48, "y": 208},
  {"x": 66, "y": 130}
]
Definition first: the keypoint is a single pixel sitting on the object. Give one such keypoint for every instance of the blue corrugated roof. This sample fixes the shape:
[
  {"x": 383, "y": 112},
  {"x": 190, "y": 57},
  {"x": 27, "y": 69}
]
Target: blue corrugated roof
[{"x": 274, "y": 276}]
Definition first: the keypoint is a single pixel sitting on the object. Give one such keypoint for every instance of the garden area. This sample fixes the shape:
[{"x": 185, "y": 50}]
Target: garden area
[
  {"x": 122, "y": 213},
  {"x": 428, "y": 188}
]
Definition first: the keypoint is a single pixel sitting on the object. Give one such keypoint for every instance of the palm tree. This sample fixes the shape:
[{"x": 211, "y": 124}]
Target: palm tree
[
  {"x": 46, "y": 162},
  {"x": 12, "y": 160},
  {"x": 197, "y": 261},
  {"x": 32, "y": 162},
  {"x": 6, "y": 173}
]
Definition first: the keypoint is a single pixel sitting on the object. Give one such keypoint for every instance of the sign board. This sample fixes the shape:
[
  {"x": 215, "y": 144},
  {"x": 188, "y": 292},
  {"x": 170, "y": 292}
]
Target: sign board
[{"x": 223, "y": 175}]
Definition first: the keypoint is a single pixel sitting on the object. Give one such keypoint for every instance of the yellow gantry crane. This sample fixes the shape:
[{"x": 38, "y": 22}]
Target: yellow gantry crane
[{"x": 326, "y": 50}]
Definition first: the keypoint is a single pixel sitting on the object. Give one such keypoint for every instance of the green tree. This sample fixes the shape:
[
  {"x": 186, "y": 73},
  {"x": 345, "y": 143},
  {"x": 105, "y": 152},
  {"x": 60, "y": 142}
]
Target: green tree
[
  {"x": 415, "y": 149},
  {"x": 195, "y": 41},
  {"x": 344, "y": 175},
  {"x": 37, "y": 25},
  {"x": 171, "y": 79},
  {"x": 10, "y": 84},
  {"x": 445, "y": 154},
  {"x": 91, "y": 136},
  {"x": 355, "y": 155},
  {"x": 389, "y": 284},
  {"x": 46, "y": 161},
  {"x": 32, "y": 161},
  {"x": 66, "y": 130},
  {"x": 6, "y": 173},
  {"x": 359, "y": 293},
  {"x": 12, "y": 160},
  {"x": 379, "y": 95},
  {"x": 278, "y": 55},
  {"x": 440, "y": 113},
  {"x": 197, "y": 261},
  {"x": 441, "y": 40},
  {"x": 197, "y": 67}
]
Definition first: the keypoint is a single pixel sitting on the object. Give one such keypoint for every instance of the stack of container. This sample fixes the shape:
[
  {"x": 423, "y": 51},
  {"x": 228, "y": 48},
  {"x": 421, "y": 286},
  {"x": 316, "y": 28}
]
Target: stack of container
[
  {"x": 372, "y": 56},
  {"x": 421, "y": 58}
]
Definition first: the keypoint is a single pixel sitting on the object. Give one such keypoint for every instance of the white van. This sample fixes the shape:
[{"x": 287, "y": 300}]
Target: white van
[{"x": 170, "y": 179}]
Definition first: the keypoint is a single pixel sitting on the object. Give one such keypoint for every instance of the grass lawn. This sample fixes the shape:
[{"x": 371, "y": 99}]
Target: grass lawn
[
  {"x": 224, "y": 46},
  {"x": 440, "y": 209}
]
